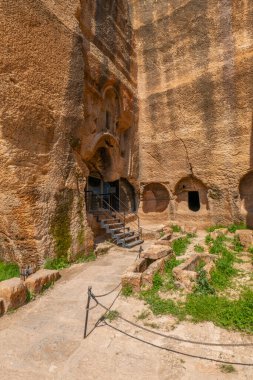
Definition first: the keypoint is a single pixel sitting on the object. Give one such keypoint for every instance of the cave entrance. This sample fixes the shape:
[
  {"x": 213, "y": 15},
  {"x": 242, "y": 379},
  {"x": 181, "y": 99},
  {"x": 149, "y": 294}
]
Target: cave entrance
[
  {"x": 100, "y": 194},
  {"x": 193, "y": 201}
]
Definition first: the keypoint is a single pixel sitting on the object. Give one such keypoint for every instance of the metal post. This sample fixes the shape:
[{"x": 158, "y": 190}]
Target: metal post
[{"x": 87, "y": 312}]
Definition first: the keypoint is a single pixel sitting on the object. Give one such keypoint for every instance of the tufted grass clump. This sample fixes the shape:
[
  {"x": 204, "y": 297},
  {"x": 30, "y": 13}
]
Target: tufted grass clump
[
  {"x": 8, "y": 270},
  {"x": 180, "y": 245},
  {"x": 198, "y": 248},
  {"x": 58, "y": 263}
]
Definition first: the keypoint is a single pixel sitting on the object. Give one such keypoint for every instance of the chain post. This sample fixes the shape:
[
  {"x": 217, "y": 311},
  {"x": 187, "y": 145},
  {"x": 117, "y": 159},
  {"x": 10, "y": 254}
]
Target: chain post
[{"x": 87, "y": 312}]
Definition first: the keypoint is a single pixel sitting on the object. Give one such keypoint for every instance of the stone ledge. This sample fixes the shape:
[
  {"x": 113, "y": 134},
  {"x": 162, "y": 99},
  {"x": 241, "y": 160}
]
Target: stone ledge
[
  {"x": 41, "y": 278},
  {"x": 156, "y": 252},
  {"x": 13, "y": 292}
]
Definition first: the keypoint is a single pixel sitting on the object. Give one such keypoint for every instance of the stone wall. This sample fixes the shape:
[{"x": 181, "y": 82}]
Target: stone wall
[{"x": 195, "y": 85}]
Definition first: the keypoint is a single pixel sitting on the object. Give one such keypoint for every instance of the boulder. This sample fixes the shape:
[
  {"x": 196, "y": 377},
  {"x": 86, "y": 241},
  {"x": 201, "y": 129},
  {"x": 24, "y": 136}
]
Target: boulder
[
  {"x": 156, "y": 252},
  {"x": 13, "y": 292},
  {"x": 42, "y": 278},
  {"x": 132, "y": 279},
  {"x": 245, "y": 237}
]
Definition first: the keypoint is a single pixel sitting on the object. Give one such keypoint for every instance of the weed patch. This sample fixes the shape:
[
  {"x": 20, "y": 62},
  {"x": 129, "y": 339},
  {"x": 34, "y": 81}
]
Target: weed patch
[
  {"x": 112, "y": 315},
  {"x": 198, "y": 248},
  {"x": 8, "y": 270},
  {"x": 57, "y": 264},
  {"x": 180, "y": 245},
  {"x": 176, "y": 228},
  {"x": 227, "y": 368},
  {"x": 127, "y": 290}
]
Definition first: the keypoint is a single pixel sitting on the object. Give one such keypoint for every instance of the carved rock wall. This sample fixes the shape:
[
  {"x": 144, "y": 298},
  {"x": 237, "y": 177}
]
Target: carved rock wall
[
  {"x": 195, "y": 84},
  {"x": 67, "y": 95}
]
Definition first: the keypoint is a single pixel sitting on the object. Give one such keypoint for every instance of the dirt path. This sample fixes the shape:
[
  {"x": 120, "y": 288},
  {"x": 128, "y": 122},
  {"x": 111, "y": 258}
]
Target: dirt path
[{"x": 43, "y": 340}]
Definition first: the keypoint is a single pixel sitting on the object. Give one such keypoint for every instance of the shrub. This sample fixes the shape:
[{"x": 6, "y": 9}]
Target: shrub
[{"x": 8, "y": 270}]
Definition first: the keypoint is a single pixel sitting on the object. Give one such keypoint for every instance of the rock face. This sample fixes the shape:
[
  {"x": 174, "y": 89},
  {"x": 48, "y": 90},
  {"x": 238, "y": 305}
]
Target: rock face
[
  {"x": 195, "y": 84},
  {"x": 68, "y": 107},
  {"x": 13, "y": 292}
]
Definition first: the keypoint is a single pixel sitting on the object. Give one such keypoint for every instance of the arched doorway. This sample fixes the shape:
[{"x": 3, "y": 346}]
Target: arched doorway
[{"x": 191, "y": 195}]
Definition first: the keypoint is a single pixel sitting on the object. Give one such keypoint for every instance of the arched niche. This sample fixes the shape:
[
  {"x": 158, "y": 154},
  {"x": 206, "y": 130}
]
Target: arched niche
[
  {"x": 246, "y": 195},
  {"x": 155, "y": 198},
  {"x": 191, "y": 195}
]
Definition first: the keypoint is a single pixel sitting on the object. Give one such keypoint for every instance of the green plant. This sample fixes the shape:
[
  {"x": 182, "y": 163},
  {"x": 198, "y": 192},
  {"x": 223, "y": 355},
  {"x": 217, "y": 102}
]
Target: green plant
[
  {"x": 237, "y": 246},
  {"x": 8, "y": 270},
  {"x": 180, "y": 245},
  {"x": 127, "y": 290},
  {"x": 202, "y": 285},
  {"x": 143, "y": 315},
  {"x": 30, "y": 296},
  {"x": 162, "y": 234},
  {"x": 157, "y": 281},
  {"x": 208, "y": 239},
  {"x": 60, "y": 223},
  {"x": 112, "y": 315},
  {"x": 47, "y": 286},
  {"x": 234, "y": 227},
  {"x": 250, "y": 250},
  {"x": 176, "y": 228},
  {"x": 168, "y": 278},
  {"x": 224, "y": 271},
  {"x": 198, "y": 248},
  {"x": 86, "y": 258},
  {"x": 57, "y": 264},
  {"x": 227, "y": 368},
  {"x": 234, "y": 314},
  {"x": 216, "y": 227}
]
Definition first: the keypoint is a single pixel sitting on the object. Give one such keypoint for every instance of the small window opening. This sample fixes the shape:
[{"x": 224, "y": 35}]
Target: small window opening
[{"x": 193, "y": 200}]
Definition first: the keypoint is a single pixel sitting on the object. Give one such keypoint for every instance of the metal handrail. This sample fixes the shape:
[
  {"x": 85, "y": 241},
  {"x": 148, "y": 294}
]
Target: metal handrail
[
  {"x": 132, "y": 212},
  {"x": 103, "y": 202}
]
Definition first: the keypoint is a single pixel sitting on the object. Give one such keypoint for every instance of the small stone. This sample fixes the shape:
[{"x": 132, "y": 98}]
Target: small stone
[
  {"x": 13, "y": 292},
  {"x": 40, "y": 279},
  {"x": 132, "y": 279}
]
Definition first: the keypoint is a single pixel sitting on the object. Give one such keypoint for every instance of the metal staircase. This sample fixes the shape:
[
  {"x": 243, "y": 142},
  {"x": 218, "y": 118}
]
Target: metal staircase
[{"x": 123, "y": 226}]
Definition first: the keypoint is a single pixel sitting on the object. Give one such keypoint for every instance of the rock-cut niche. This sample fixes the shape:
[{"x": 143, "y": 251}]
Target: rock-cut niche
[
  {"x": 246, "y": 195},
  {"x": 191, "y": 195},
  {"x": 155, "y": 198}
]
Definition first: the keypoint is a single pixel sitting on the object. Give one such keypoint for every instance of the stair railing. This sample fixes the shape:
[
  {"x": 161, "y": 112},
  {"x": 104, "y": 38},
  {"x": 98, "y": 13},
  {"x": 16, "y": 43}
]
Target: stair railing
[{"x": 125, "y": 207}]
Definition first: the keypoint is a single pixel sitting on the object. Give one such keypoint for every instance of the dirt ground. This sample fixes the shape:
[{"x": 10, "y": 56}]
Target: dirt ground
[{"x": 44, "y": 339}]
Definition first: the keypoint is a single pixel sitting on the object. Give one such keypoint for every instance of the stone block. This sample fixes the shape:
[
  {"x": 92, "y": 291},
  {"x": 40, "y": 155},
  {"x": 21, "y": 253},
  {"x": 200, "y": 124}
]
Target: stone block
[
  {"x": 13, "y": 292},
  {"x": 167, "y": 236},
  {"x": 40, "y": 279},
  {"x": 103, "y": 248},
  {"x": 190, "y": 229},
  {"x": 219, "y": 232},
  {"x": 245, "y": 237},
  {"x": 2, "y": 307},
  {"x": 156, "y": 252},
  {"x": 148, "y": 274},
  {"x": 166, "y": 243},
  {"x": 132, "y": 279}
]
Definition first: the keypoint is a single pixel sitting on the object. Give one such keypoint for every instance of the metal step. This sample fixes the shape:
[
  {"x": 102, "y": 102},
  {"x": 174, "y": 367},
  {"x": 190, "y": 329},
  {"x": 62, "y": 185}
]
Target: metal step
[
  {"x": 110, "y": 221},
  {"x": 117, "y": 225},
  {"x": 122, "y": 234},
  {"x": 119, "y": 229},
  {"x": 134, "y": 243},
  {"x": 130, "y": 238}
]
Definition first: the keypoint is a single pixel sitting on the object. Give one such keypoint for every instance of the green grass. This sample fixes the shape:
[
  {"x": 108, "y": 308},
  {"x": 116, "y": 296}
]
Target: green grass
[
  {"x": 168, "y": 278},
  {"x": 86, "y": 258},
  {"x": 127, "y": 290},
  {"x": 231, "y": 228},
  {"x": 237, "y": 246},
  {"x": 180, "y": 245},
  {"x": 143, "y": 315},
  {"x": 57, "y": 264},
  {"x": 223, "y": 272},
  {"x": 8, "y": 270},
  {"x": 176, "y": 228},
  {"x": 232, "y": 314},
  {"x": 227, "y": 368},
  {"x": 215, "y": 227},
  {"x": 202, "y": 285},
  {"x": 198, "y": 248},
  {"x": 112, "y": 315}
]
